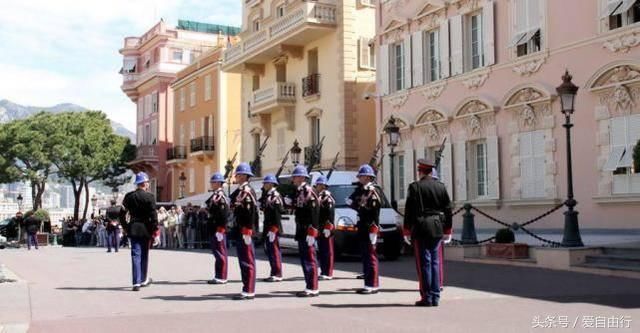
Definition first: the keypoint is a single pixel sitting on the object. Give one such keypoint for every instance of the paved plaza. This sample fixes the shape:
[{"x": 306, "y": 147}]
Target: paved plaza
[{"x": 87, "y": 290}]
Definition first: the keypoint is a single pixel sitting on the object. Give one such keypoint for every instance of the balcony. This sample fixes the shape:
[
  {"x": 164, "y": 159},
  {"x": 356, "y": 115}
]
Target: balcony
[
  {"x": 146, "y": 158},
  {"x": 201, "y": 146},
  {"x": 305, "y": 22},
  {"x": 311, "y": 86},
  {"x": 281, "y": 95},
  {"x": 176, "y": 155}
]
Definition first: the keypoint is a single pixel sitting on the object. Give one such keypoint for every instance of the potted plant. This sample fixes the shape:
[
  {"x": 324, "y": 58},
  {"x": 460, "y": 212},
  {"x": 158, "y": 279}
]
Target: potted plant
[{"x": 505, "y": 247}]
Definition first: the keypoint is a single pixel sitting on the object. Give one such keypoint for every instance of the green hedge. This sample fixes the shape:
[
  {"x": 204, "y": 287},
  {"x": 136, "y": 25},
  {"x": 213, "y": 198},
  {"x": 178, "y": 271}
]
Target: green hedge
[{"x": 41, "y": 214}]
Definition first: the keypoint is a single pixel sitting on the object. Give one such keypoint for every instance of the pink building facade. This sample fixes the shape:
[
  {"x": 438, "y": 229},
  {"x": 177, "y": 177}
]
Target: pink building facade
[
  {"x": 482, "y": 74},
  {"x": 150, "y": 64}
]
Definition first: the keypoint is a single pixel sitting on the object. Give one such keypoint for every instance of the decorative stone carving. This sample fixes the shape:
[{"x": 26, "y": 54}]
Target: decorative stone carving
[
  {"x": 527, "y": 95},
  {"x": 467, "y": 5},
  {"x": 528, "y": 116},
  {"x": 398, "y": 100},
  {"x": 476, "y": 81},
  {"x": 473, "y": 107},
  {"x": 432, "y": 20},
  {"x": 620, "y": 99},
  {"x": 474, "y": 125},
  {"x": 430, "y": 116},
  {"x": 432, "y": 132},
  {"x": 622, "y": 43},
  {"x": 527, "y": 68},
  {"x": 433, "y": 91},
  {"x": 622, "y": 74}
]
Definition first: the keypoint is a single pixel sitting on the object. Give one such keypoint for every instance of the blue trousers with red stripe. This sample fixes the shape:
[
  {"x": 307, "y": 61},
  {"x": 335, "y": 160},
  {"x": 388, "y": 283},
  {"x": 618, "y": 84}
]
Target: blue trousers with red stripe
[
  {"x": 428, "y": 267},
  {"x": 139, "y": 259},
  {"x": 272, "y": 250},
  {"x": 309, "y": 265},
  {"x": 325, "y": 255},
  {"x": 369, "y": 262},
  {"x": 219, "y": 249},
  {"x": 247, "y": 260}
]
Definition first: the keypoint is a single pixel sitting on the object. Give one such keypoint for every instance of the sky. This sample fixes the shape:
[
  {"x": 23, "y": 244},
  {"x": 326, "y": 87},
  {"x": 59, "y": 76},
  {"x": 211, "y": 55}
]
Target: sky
[{"x": 66, "y": 51}]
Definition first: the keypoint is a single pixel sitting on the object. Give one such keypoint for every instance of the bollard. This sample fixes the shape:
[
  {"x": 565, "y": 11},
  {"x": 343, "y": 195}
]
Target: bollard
[
  {"x": 55, "y": 239},
  {"x": 468, "y": 227}
]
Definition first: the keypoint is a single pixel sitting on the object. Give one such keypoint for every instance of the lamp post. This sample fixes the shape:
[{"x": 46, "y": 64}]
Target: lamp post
[
  {"x": 181, "y": 181},
  {"x": 20, "y": 201},
  {"x": 94, "y": 201},
  {"x": 295, "y": 153},
  {"x": 567, "y": 92},
  {"x": 393, "y": 131}
]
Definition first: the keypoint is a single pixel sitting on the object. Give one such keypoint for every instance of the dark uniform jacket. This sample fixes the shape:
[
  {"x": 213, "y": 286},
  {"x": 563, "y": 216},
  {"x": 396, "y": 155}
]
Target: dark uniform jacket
[
  {"x": 366, "y": 201},
  {"x": 435, "y": 200},
  {"x": 327, "y": 209},
  {"x": 272, "y": 206},
  {"x": 32, "y": 224},
  {"x": 115, "y": 215},
  {"x": 306, "y": 210},
  {"x": 245, "y": 208},
  {"x": 141, "y": 206},
  {"x": 218, "y": 208}
]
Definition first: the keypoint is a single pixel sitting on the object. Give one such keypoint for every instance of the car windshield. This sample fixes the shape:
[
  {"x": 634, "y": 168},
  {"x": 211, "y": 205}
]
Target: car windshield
[
  {"x": 340, "y": 192},
  {"x": 5, "y": 222}
]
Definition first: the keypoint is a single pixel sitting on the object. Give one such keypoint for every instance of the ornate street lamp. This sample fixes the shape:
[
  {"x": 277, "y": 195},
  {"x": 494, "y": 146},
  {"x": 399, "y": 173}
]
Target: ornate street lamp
[
  {"x": 181, "y": 181},
  {"x": 393, "y": 131},
  {"x": 567, "y": 92},
  {"x": 295, "y": 153},
  {"x": 94, "y": 201},
  {"x": 20, "y": 201}
]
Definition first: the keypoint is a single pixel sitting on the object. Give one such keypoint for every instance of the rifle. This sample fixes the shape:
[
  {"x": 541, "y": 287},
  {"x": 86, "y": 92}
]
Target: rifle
[
  {"x": 230, "y": 162},
  {"x": 439, "y": 154},
  {"x": 256, "y": 162},
  {"x": 284, "y": 161},
  {"x": 315, "y": 153},
  {"x": 373, "y": 162},
  {"x": 333, "y": 166}
]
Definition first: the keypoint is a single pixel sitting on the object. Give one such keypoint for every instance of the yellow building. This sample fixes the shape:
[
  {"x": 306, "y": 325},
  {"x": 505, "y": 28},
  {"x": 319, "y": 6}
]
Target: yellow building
[
  {"x": 306, "y": 68},
  {"x": 206, "y": 123}
]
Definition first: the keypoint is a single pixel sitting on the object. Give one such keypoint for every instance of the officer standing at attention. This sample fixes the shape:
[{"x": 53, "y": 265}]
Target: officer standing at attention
[
  {"x": 307, "y": 211},
  {"x": 142, "y": 227},
  {"x": 427, "y": 218},
  {"x": 271, "y": 203},
  {"x": 116, "y": 216},
  {"x": 218, "y": 208},
  {"x": 245, "y": 209},
  {"x": 325, "y": 240},
  {"x": 366, "y": 201}
]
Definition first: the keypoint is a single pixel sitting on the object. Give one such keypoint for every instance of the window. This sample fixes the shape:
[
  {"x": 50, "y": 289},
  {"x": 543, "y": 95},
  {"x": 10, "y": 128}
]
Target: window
[
  {"x": 129, "y": 65},
  {"x": 140, "y": 109},
  {"x": 192, "y": 180},
  {"x": 154, "y": 102},
  {"x": 532, "y": 164},
  {"x": 140, "y": 136},
  {"x": 478, "y": 169},
  {"x": 147, "y": 105},
  {"x": 207, "y": 87},
  {"x": 367, "y": 53},
  {"x": 207, "y": 174},
  {"x": 527, "y": 33},
  {"x": 312, "y": 61},
  {"x": 281, "y": 73},
  {"x": 256, "y": 25},
  {"x": 397, "y": 67},
  {"x": 192, "y": 94},
  {"x": 431, "y": 51},
  {"x": 621, "y": 13},
  {"x": 192, "y": 129},
  {"x": 154, "y": 132},
  {"x": 147, "y": 134},
  {"x": 181, "y": 135},
  {"x": 176, "y": 55},
  {"x": 474, "y": 41},
  {"x": 625, "y": 133},
  {"x": 256, "y": 144},
  {"x": 281, "y": 147},
  {"x": 315, "y": 130},
  {"x": 280, "y": 11},
  {"x": 400, "y": 178},
  {"x": 255, "y": 83},
  {"x": 182, "y": 99}
]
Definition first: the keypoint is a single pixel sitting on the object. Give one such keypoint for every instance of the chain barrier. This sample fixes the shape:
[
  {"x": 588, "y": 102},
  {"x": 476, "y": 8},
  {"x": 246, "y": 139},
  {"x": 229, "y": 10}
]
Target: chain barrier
[{"x": 459, "y": 241}]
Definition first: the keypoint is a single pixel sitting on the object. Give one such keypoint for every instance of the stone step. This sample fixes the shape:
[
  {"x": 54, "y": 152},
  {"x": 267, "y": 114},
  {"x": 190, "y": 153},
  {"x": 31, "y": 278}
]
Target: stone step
[
  {"x": 612, "y": 267},
  {"x": 622, "y": 251},
  {"x": 613, "y": 259}
]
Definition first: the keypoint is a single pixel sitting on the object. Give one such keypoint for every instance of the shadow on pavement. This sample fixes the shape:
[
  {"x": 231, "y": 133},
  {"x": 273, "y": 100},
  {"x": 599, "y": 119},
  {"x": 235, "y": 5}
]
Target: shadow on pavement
[
  {"x": 358, "y": 306},
  {"x": 128, "y": 289}
]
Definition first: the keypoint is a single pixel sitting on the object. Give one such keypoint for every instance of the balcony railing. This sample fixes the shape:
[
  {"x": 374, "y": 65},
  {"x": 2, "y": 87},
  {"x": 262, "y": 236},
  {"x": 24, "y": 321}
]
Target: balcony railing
[
  {"x": 311, "y": 85},
  {"x": 202, "y": 144},
  {"x": 147, "y": 152},
  {"x": 281, "y": 94},
  {"x": 177, "y": 153}
]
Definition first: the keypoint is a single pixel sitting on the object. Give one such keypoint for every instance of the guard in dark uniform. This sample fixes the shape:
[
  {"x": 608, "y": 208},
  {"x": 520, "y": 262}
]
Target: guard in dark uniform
[
  {"x": 141, "y": 229},
  {"x": 245, "y": 209},
  {"x": 218, "y": 209},
  {"x": 325, "y": 239},
  {"x": 307, "y": 214},
  {"x": 116, "y": 216},
  {"x": 272, "y": 204},
  {"x": 366, "y": 201},
  {"x": 427, "y": 218}
]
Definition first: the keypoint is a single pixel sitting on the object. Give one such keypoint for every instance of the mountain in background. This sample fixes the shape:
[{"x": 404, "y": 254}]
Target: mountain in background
[{"x": 11, "y": 111}]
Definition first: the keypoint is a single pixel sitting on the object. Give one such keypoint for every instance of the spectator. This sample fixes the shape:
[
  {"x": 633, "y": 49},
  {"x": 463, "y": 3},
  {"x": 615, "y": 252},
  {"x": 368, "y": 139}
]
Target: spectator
[
  {"x": 180, "y": 225},
  {"x": 163, "y": 226},
  {"x": 87, "y": 230},
  {"x": 191, "y": 220},
  {"x": 171, "y": 231}
]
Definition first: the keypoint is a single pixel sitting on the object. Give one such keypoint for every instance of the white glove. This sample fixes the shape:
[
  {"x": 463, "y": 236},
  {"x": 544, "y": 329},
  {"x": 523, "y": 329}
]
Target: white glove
[
  {"x": 272, "y": 236},
  {"x": 219, "y": 236},
  {"x": 311, "y": 240},
  {"x": 287, "y": 201},
  {"x": 326, "y": 233},
  {"x": 447, "y": 238},
  {"x": 373, "y": 238},
  {"x": 246, "y": 239},
  {"x": 156, "y": 241},
  {"x": 407, "y": 239},
  {"x": 349, "y": 202}
]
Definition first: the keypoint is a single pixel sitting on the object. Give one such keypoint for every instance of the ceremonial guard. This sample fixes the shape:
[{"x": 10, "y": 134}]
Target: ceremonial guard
[
  {"x": 142, "y": 227},
  {"x": 427, "y": 219},
  {"x": 218, "y": 209},
  {"x": 366, "y": 201},
  {"x": 245, "y": 210},
  {"x": 116, "y": 216},
  {"x": 306, "y": 210},
  {"x": 272, "y": 205},
  {"x": 325, "y": 239}
]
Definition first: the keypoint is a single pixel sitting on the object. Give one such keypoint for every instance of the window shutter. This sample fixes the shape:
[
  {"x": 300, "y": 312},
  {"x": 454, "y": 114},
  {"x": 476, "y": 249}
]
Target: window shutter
[
  {"x": 406, "y": 50},
  {"x": 154, "y": 132},
  {"x": 139, "y": 135},
  {"x": 386, "y": 170},
  {"x": 493, "y": 167},
  {"x": 456, "y": 45},
  {"x": 488, "y": 30},
  {"x": 418, "y": 58},
  {"x": 409, "y": 165},
  {"x": 539, "y": 162},
  {"x": 192, "y": 180},
  {"x": 383, "y": 73},
  {"x": 633, "y": 131},
  {"x": 182, "y": 134},
  {"x": 192, "y": 130},
  {"x": 445, "y": 168},
  {"x": 363, "y": 48},
  {"x": 444, "y": 49},
  {"x": 460, "y": 171},
  {"x": 526, "y": 165},
  {"x": 207, "y": 174}
]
